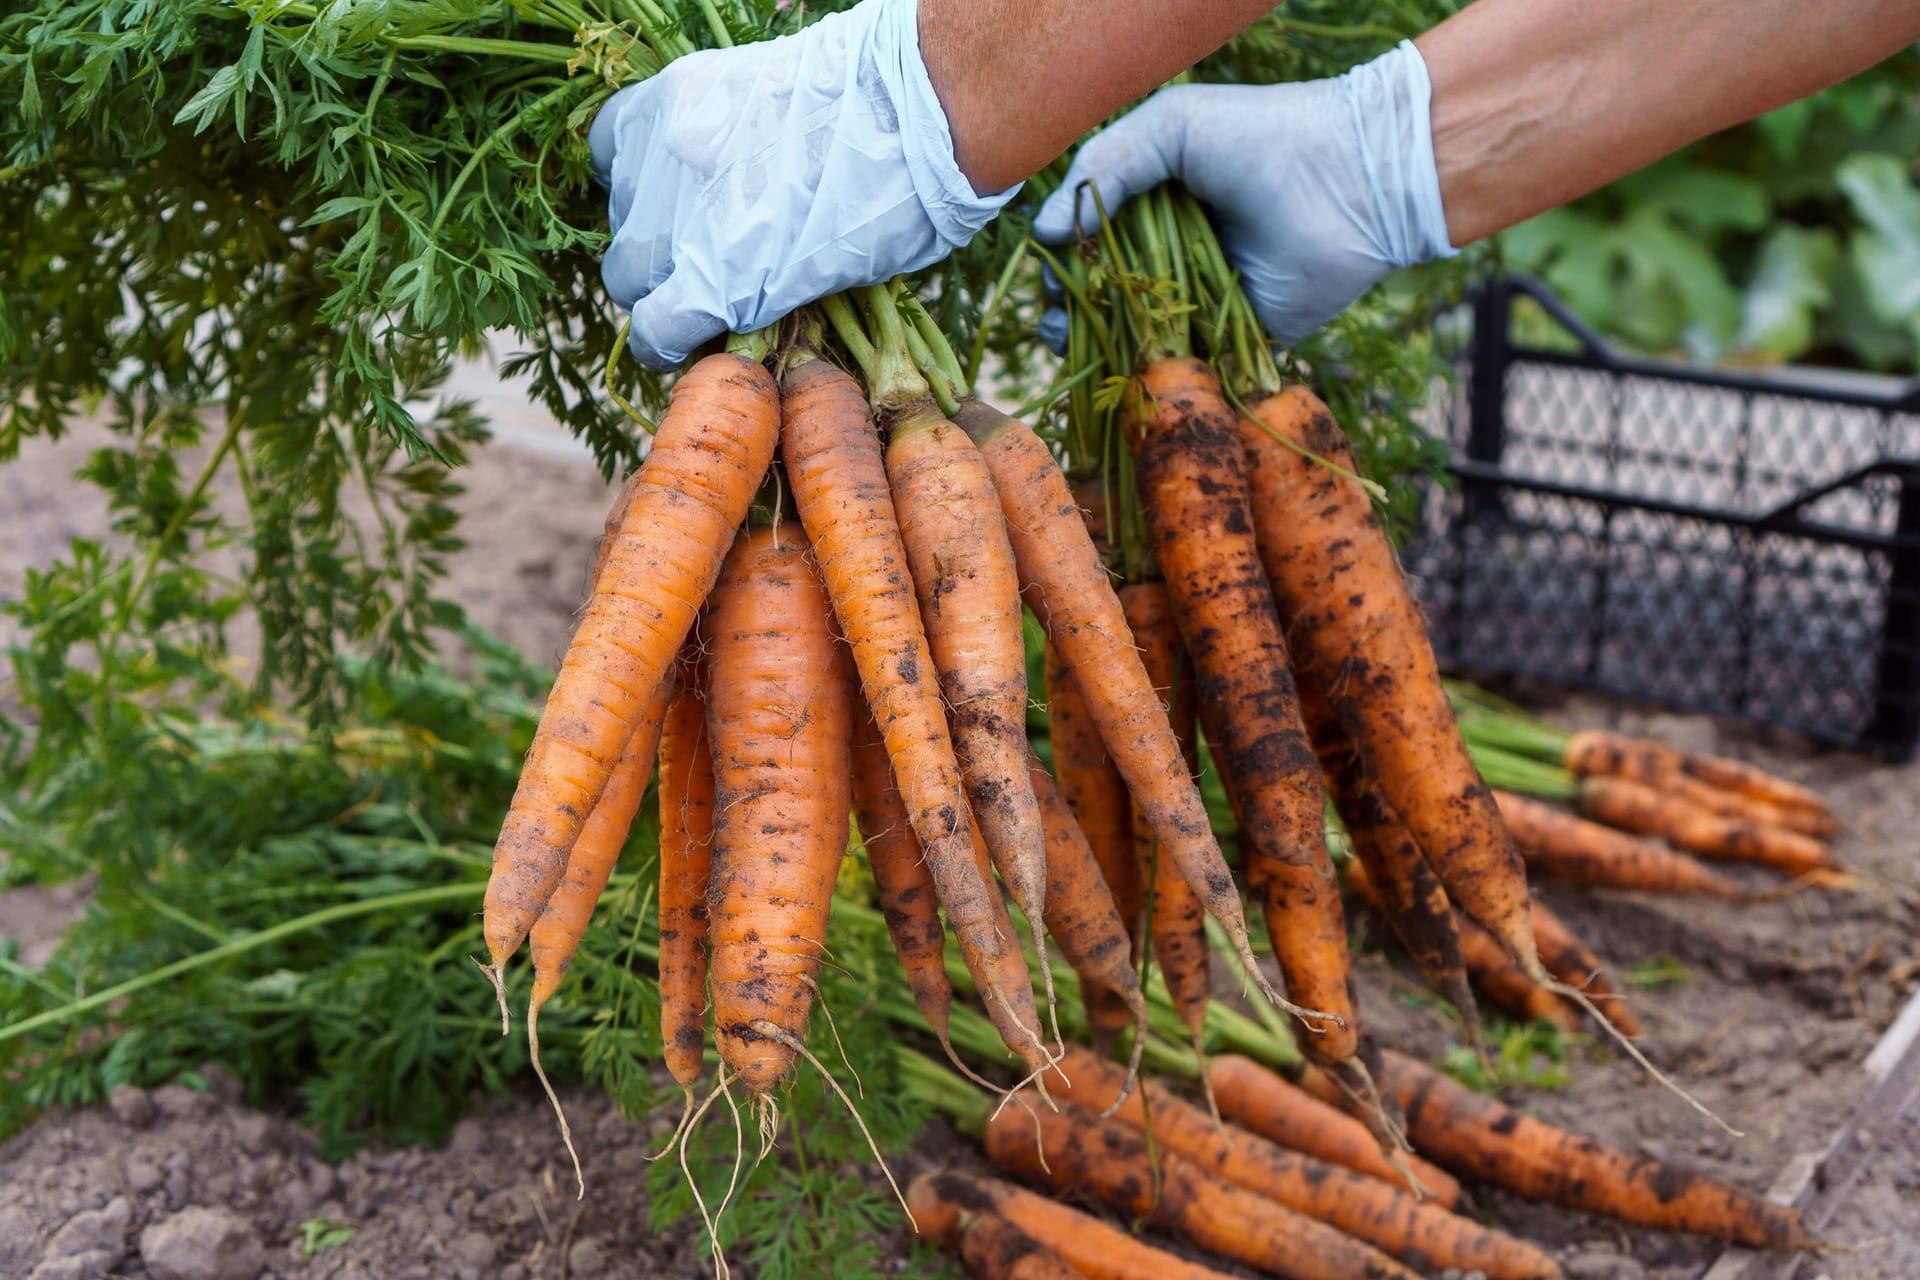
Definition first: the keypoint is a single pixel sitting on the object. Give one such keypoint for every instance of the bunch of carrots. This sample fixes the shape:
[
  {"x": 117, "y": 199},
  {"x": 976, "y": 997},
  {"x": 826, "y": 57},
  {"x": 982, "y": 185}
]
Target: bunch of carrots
[{"x": 809, "y": 605}]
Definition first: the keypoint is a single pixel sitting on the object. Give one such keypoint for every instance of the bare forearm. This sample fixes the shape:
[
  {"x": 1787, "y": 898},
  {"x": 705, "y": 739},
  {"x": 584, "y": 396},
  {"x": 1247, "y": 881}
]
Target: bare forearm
[
  {"x": 1536, "y": 102},
  {"x": 1021, "y": 80}
]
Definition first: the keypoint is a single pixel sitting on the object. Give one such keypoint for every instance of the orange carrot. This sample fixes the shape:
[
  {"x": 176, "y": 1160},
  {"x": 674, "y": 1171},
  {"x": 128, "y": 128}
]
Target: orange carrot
[
  {"x": 686, "y": 869},
  {"x": 1072, "y": 1150},
  {"x": 1093, "y": 789},
  {"x": 1177, "y": 923},
  {"x": 900, "y": 877},
  {"x": 836, "y": 466},
  {"x": 995, "y": 1249},
  {"x": 712, "y": 448},
  {"x": 963, "y": 572},
  {"x": 1080, "y": 911},
  {"x": 1587, "y": 853},
  {"x": 1357, "y": 632},
  {"x": 1478, "y": 1137},
  {"x": 942, "y": 1201},
  {"x": 1497, "y": 977},
  {"x": 1193, "y": 488},
  {"x": 1727, "y": 787},
  {"x": 780, "y": 720},
  {"x": 1424, "y": 1236},
  {"x": 1258, "y": 1100},
  {"x": 1645, "y": 811},
  {"x": 1075, "y": 601},
  {"x": 1569, "y": 960},
  {"x": 1407, "y": 892}
]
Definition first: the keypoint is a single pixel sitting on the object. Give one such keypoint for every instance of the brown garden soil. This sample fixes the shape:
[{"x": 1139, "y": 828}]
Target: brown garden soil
[{"x": 1778, "y": 1005}]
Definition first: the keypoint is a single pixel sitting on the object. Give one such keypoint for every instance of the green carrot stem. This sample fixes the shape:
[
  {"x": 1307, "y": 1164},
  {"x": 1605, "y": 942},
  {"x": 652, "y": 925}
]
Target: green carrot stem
[
  {"x": 928, "y": 1082},
  {"x": 1510, "y": 772},
  {"x": 438, "y": 895},
  {"x": 756, "y": 345},
  {"x": 894, "y": 380},
  {"x": 1002, "y": 287}
]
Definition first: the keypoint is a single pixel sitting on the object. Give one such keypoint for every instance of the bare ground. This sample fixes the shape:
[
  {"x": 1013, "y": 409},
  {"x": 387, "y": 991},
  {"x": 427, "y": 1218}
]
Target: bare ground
[{"x": 1779, "y": 1005}]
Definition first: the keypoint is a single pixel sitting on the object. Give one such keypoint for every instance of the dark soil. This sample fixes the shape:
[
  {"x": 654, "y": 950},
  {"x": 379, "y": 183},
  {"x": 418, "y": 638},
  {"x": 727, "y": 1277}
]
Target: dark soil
[{"x": 1778, "y": 1006}]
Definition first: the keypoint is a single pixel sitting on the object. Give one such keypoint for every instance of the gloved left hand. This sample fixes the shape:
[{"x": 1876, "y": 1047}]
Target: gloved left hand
[{"x": 748, "y": 182}]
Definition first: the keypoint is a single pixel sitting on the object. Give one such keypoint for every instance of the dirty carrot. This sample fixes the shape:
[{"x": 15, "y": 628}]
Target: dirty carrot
[
  {"x": 1495, "y": 975},
  {"x": 995, "y": 1249},
  {"x": 1357, "y": 631},
  {"x": 835, "y": 465},
  {"x": 1646, "y": 811},
  {"x": 1257, "y": 1099},
  {"x": 901, "y": 881},
  {"x": 1407, "y": 892},
  {"x": 1569, "y": 960},
  {"x": 1080, "y": 911},
  {"x": 1193, "y": 487},
  {"x": 1095, "y": 792},
  {"x": 969, "y": 591},
  {"x": 686, "y": 869},
  {"x": 1076, "y": 603},
  {"x": 1075, "y": 1152},
  {"x": 1176, "y": 922},
  {"x": 713, "y": 446},
  {"x": 1587, "y": 853},
  {"x": 1762, "y": 796},
  {"x": 1480, "y": 1138},
  {"x": 780, "y": 725},
  {"x": 1098, "y": 1250},
  {"x": 1425, "y": 1236}
]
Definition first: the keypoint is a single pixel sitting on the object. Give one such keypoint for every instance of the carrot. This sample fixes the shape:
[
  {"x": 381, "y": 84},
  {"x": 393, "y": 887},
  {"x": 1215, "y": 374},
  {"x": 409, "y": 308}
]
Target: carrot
[
  {"x": 1408, "y": 894},
  {"x": 1728, "y": 787},
  {"x": 995, "y": 1249},
  {"x": 836, "y": 467},
  {"x": 1569, "y": 960},
  {"x": 780, "y": 723},
  {"x": 1072, "y": 1150},
  {"x": 969, "y": 591},
  {"x": 1645, "y": 811},
  {"x": 686, "y": 869},
  {"x": 1480, "y": 1138},
  {"x": 1013, "y": 1015},
  {"x": 1178, "y": 925},
  {"x": 1291, "y": 1116},
  {"x": 902, "y": 882},
  {"x": 1080, "y": 911},
  {"x": 1497, "y": 977},
  {"x": 1357, "y": 633},
  {"x": 941, "y": 1201},
  {"x": 1424, "y": 1236},
  {"x": 1587, "y": 853},
  {"x": 1193, "y": 488},
  {"x": 1075, "y": 601},
  {"x": 1093, "y": 789},
  {"x": 712, "y": 448},
  {"x": 563, "y": 920}
]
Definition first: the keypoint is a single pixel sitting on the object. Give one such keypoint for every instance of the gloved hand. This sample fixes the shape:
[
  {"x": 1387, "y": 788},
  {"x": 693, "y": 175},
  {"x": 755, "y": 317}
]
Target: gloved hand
[
  {"x": 748, "y": 182},
  {"x": 1317, "y": 189}
]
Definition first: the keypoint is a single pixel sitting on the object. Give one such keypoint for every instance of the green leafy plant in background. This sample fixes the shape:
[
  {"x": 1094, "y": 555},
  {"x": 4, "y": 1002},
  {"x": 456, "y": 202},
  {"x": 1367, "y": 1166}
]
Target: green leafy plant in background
[{"x": 1795, "y": 237}]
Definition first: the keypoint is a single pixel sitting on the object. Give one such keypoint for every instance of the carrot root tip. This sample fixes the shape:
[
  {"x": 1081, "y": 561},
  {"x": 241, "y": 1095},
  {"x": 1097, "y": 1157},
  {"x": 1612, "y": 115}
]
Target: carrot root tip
[
  {"x": 1625, "y": 1041},
  {"x": 559, "y": 1112},
  {"x": 497, "y": 977}
]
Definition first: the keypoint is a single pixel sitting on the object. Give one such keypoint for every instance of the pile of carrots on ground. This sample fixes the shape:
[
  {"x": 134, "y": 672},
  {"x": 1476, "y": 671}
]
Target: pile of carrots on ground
[{"x": 809, "y": 604}]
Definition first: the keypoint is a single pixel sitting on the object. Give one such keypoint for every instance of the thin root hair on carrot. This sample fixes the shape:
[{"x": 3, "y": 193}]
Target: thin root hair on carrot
[
  {"x": 780, "y": 1035},
  {"x": 679, "y": 1129},
  {"x": 498, "y": 979},
  {"x": 1625, "y": 1041},
  {"x": 721, "y": 1270},
  {"x": 1138, "y": 1005},
  {"x": 559, "y": 1112},
  {"x": 833, "y": 1028}
]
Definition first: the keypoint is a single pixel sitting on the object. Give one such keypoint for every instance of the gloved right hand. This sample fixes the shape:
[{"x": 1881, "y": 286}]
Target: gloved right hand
[
  {"x": 748, "y": 182},
  {"x": 1317, "y": 189}
]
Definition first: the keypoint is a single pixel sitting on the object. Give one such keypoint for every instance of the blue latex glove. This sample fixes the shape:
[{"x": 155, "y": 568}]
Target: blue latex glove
[
  {"x": 751, "y": 181},
  {"x": 1317, "y": 189}
]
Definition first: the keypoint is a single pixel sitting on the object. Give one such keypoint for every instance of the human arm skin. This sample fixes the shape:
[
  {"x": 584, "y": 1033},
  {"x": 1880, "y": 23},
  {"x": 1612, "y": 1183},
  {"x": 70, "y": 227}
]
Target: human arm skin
[
  {"x": 1021, "y": 80},
  {"x": 1537, "y": 102}
]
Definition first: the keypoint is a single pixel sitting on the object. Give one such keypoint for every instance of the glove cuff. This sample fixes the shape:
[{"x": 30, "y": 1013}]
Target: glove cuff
[
  {"x": 1390, "y": 100},
  {"x": 955, "y": 210}
]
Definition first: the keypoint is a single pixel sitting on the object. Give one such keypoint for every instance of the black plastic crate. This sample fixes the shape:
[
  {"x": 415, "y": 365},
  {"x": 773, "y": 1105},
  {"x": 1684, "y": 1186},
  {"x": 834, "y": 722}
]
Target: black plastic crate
[{"x": 1744, "y": 544}]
